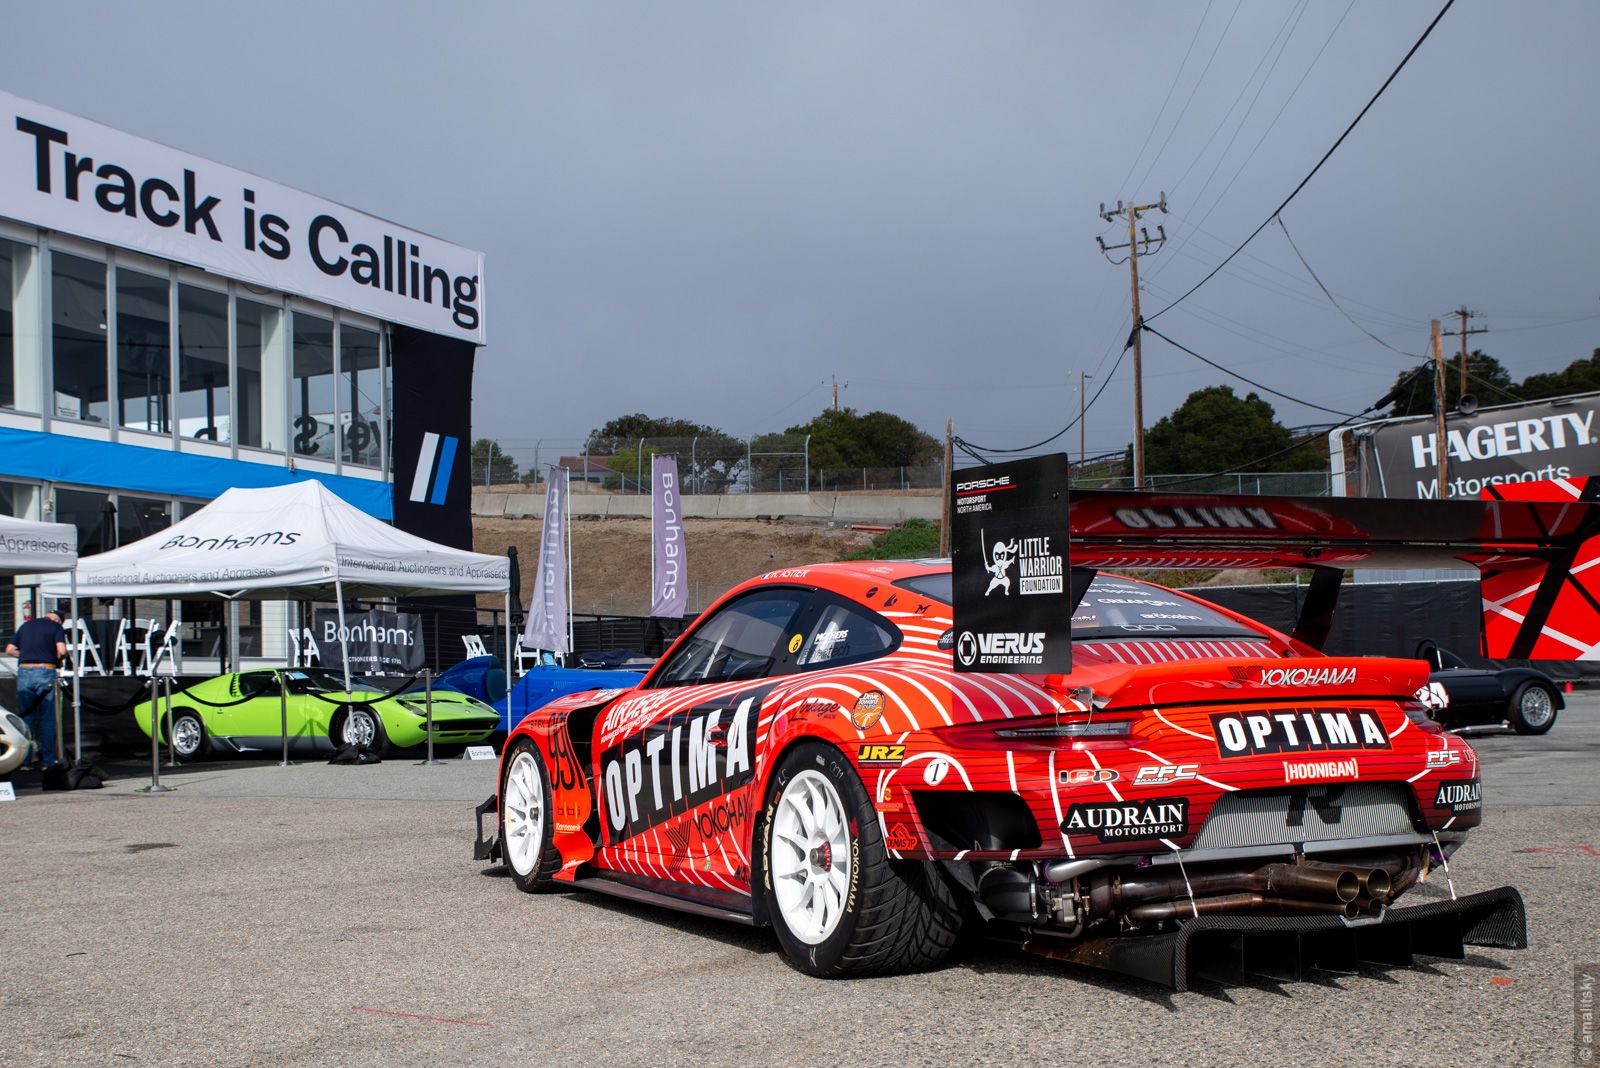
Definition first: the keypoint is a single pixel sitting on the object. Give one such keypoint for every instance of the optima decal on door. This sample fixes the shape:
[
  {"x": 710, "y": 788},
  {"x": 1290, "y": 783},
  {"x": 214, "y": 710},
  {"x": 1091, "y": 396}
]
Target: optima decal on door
[{"x": 679, "y": 762}]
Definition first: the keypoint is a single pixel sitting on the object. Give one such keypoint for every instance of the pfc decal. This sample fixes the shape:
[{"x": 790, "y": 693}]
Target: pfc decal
[
  {"x": 900, "y": 837},
  {"x": 1459, "y": 795},
  {"x": 1159, "y": 774},
  {"x": 868, "y": 708},
  {"x": 1125, "y": 821},
  {"x": 880, "y": 755},
  {"x": 678, "y": 763},
  {"x": 1079, "y": 776},
  {"x": 1443, "y": 758},
  {"x": 1298, "y": 730},
  {"x": 1299, "y": 771}
]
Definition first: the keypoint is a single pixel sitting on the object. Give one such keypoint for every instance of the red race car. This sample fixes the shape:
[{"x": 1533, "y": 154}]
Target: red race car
[{"x": 805, "y": 757}]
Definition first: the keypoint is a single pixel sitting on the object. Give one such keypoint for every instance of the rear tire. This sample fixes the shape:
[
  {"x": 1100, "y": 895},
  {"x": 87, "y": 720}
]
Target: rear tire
[
  {"x": 189, "y": 740},
  {"x": 1532, "y": 709},
  {"x": 840, "y": 907},
  {"x": 526, "y": 828}
]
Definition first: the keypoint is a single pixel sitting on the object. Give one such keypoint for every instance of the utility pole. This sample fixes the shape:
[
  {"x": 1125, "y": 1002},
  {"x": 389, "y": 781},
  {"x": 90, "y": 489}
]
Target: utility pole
[
  {"x": 1463, "y": 332},
  {"x": 836, "y": 391},
  {"x": 949, "y": 476},
  {"x": 1083, "y": 376},
  {"x": 1441, "y": 451},
  {"x": 1137, "y": 236}
]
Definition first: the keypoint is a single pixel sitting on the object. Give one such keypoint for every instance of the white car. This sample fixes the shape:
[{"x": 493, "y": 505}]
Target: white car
[{"x": 15, "y": 742}]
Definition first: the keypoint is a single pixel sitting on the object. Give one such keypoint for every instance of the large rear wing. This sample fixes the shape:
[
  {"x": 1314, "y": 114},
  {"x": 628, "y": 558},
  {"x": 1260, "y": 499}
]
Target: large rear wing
[{"x": 1533, "y": 544}]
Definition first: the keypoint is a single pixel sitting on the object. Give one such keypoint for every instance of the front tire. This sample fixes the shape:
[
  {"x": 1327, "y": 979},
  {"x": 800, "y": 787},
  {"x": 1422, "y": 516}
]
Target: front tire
[
  {"x": 188, "y": 735},
  {"x": 526, "y": 829},
  {"x": 1532, "y": 709},
  {"x": 840, "y": 907},
  {"x": 361, "y": 726}
]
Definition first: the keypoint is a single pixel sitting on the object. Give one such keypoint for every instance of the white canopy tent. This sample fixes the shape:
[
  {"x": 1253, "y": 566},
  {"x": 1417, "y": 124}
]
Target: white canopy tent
[
  {"x": 293, "y": 542},
  {"x": 28, "y": 547}
]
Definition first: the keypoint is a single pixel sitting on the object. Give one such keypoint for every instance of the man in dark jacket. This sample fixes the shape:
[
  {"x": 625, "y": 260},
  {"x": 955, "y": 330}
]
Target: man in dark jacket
[{"x": 39, "y": 646}]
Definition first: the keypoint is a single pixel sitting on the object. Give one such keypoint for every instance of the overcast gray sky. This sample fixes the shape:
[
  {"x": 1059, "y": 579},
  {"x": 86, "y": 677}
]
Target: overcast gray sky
[{"x": 706, "y": 209}]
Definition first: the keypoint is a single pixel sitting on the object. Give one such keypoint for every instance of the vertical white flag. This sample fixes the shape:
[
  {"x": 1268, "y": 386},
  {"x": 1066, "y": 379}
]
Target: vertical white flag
[
  {"x": 669, "y": 588},
  {"x": 547, "y": 615}
]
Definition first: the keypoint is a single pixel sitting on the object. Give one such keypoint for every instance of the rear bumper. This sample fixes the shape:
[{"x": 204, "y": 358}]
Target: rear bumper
[{"x": 1285, "y": 948}]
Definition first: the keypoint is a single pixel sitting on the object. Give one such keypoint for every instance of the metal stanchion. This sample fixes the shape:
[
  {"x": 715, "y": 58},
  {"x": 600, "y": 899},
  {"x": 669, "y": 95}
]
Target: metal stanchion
[
  {"x": 172, "y": 753},
  {"x": 155, "y": 786},
  {"x": 61, "y": 748},
  {"x": 283, "y": 706},
  {"x": 427, "y": 691}
]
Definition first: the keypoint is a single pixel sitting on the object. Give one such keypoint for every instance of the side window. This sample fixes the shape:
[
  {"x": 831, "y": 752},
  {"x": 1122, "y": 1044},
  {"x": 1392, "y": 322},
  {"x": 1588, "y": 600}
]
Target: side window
[
  {"x": 741, "y": 641},
  {"x": 844, "y": 633},
  {"x": 257, "y": 683}
]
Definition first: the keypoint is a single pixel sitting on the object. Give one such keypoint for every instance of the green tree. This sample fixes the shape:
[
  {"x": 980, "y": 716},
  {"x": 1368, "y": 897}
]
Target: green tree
[
  {"x": 488, "y": 457},
  {"x": 1215, "y": 430},
  {"x": 844, "y": 438},
  {"x": 1487, "y": 380},
  {"x": 709, "y": 459},
  {"x": 1579, "y": 376}
]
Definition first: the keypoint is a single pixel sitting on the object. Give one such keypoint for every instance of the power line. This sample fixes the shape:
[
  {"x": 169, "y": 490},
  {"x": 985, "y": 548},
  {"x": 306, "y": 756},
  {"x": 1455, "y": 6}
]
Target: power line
[
  {"x": 1086, "y": 409},
  {"x": 1240, "y": 377},
  {"x": 1177, "y": 75},
  {"x": 1325, "y": 157},
  {"x": 1332, "y": 300},
  {"x": 1193, "y": 91}
]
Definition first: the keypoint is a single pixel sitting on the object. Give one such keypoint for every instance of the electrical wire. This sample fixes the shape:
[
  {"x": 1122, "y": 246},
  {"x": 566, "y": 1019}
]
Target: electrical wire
[
  {"x": 1177, "y": 75},
  {"x": 968, "y": 446},
  {"x": 1266, "y": 389},
  {"x": 1332, "y": 300},
  {"x": 1193, "y": 91},
  {"x": 1313, "y": 172}
]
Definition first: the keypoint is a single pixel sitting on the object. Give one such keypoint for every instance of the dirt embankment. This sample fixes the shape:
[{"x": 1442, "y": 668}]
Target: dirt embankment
[{"x": 611, "y": 557}]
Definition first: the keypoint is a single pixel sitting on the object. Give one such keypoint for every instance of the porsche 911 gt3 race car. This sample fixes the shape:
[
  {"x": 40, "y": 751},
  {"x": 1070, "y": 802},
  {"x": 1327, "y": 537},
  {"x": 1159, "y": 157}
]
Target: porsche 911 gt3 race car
[{"x": 807, "y": 757}]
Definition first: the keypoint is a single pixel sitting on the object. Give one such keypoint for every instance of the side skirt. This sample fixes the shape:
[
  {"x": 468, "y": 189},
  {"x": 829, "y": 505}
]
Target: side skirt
[{"x": 697, "y": 900}]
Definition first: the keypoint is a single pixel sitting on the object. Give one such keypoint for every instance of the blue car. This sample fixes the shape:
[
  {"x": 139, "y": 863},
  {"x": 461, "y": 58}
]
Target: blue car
[{"x": 541, "y": 685}]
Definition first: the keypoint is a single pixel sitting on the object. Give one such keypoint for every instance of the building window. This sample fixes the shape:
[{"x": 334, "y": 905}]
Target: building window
[
  {"x": 90, "y": 512},
  {"x": 203, "y": 396},
  {"x": 361, "y": 389},
  {"x": 144, "y": 351},
  {"x": 311, "y": 393},
  {"x": 78, "y": 337},
  {"x": 8, "y": 332},
  {"x": 140, "y": 517},
  {"x": 261, "y": 375}
]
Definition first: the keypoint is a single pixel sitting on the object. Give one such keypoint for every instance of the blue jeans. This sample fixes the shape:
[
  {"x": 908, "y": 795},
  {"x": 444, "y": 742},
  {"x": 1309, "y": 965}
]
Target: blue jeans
[{"x": 36, "y": 701}]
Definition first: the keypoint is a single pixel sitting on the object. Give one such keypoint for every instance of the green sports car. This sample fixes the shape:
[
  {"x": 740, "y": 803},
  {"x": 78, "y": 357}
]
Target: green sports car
[{"x": 243, "y": 713}]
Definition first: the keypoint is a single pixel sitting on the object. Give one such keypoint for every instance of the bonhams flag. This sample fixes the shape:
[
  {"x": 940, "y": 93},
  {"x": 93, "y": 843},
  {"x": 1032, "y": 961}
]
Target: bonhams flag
[
  {"x": 547, "y": 615},
  {"x": 1010, "y": 567},
  {"x": 668, "y": 588}
]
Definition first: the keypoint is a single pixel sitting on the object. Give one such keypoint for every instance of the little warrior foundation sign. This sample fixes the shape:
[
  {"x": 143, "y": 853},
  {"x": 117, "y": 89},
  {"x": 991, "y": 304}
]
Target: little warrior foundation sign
[
  {"x": 66, "y": 173},
  {"x": 1012, "y": 576}
]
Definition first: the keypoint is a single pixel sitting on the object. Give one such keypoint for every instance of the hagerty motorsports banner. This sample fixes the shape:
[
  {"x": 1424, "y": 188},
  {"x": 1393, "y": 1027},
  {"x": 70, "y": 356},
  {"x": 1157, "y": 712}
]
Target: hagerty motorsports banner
[
  {"x": 62, "y": 172},
  {"x": 1517, "y": 443}
]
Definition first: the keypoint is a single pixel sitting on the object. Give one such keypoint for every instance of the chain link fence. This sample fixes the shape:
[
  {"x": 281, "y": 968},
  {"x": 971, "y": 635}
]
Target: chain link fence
[{"x": 781, "y": 463}]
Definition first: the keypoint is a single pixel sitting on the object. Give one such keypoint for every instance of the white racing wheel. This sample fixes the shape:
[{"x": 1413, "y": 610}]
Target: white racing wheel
[{"x": 15, "y": 742}]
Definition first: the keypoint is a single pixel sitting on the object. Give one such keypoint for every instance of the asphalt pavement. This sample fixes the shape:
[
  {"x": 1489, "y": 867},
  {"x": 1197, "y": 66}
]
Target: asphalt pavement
[{"x": 319, "y": 914}]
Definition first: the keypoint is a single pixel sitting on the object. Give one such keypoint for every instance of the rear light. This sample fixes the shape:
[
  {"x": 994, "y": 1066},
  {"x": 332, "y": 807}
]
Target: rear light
[
  {"x": 1417, "y": 713},
  {"x": 1093, "y": 728},
  {"x": 1043, "y": 732}
]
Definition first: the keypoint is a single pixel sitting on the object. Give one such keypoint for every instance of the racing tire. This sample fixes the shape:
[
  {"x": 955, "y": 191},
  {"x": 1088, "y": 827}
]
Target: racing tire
[
  {"x": 526, "y": 829},
  {"x": 360, "y": 725},
  {"x": 875, "y": 917},
  {"x": 188, "y": 735},
  {"x": 1532, "y": 709}
]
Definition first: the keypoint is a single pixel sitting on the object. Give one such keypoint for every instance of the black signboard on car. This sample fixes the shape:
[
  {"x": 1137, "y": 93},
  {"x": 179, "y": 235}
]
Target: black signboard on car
[{"x": 1011, "y": 573}]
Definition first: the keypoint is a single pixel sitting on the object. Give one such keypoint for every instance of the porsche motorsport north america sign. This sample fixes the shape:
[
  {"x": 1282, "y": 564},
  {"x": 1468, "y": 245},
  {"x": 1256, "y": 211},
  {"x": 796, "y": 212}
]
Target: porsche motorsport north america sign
[{"x": 1012, "y": 578}]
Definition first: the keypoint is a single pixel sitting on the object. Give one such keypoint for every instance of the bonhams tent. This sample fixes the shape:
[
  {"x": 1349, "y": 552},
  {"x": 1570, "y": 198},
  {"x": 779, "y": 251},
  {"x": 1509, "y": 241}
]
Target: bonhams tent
[{"x": 293, "y": 542}]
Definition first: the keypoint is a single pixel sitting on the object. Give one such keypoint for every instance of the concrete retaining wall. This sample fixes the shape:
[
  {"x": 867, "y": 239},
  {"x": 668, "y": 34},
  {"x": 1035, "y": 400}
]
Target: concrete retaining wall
[{"x": 844, "y": 507}]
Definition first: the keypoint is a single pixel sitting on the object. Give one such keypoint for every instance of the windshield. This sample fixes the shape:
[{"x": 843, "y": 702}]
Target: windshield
[
  {"x": 1124, "y": 608},
  {"x": 325, "y": 679}
]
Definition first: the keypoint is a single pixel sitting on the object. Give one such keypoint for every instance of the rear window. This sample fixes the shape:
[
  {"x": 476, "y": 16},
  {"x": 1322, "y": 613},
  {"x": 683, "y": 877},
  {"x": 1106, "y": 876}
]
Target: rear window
[{"x": 1116, "y": 607}]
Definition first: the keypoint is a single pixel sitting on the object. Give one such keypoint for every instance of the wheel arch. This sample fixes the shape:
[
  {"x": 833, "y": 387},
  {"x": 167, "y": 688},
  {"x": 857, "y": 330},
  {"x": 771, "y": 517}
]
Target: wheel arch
[{"x": 760, "y": 787}]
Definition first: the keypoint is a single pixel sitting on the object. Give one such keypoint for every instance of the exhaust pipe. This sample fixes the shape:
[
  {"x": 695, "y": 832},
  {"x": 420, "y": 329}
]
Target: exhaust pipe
[
  {"x": 1318, "y": 883},
  {"x": 1371, "y": 882},
  {"x": 1177, "y": 910},
  {"x": 1375, "y": 883}
]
